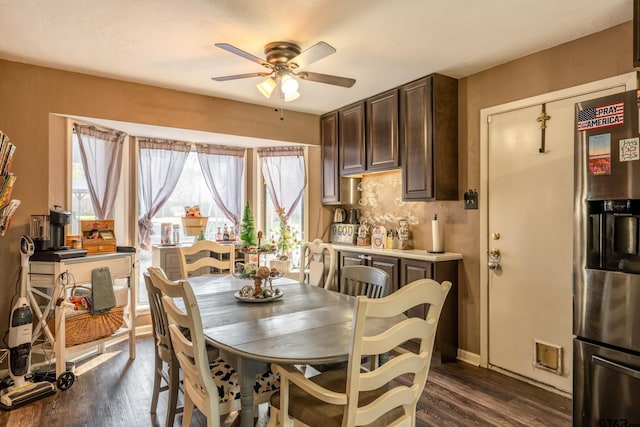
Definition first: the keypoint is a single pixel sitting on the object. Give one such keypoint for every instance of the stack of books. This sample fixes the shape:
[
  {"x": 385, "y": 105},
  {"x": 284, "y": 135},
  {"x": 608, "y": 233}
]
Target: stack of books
[{"x": 7, "y": 179}]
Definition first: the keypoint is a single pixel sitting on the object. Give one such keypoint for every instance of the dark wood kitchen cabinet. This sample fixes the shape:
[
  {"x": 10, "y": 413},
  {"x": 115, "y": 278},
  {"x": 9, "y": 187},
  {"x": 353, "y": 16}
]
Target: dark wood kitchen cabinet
[
  {"x": 429, "y": 138},
  {"x": 368, "y": 135},
  {"x": 386, "y": 263},
  {"x": 382, "y": 132},
  {"x": 329, "y": 158},
  {"x": 447, "y": 334},
  {"x": 351, "y": 133}
]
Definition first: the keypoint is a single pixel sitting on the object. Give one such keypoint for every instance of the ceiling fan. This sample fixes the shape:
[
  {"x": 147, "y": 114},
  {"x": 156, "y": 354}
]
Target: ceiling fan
[{"x": 285, "y": 61}]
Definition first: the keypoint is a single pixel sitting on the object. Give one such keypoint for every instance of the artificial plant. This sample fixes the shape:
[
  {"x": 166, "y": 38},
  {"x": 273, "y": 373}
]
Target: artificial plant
[{"x": 248, "y": 230}]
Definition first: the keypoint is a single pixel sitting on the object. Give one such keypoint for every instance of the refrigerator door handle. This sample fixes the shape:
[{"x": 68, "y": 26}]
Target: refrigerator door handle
[{"x": 615, "y": 366}]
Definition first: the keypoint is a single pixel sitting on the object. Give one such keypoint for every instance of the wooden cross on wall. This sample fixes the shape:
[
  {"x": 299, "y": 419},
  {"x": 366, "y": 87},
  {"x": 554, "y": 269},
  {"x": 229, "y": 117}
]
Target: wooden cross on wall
[{"x": 542, "y": 119}]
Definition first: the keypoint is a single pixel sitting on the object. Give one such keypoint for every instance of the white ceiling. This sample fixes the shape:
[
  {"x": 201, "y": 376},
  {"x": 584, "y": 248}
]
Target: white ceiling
[{"x": 380, "y": 43}]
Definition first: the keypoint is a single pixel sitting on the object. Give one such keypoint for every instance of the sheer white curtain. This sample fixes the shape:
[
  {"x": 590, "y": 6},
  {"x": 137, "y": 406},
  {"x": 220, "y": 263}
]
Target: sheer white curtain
[
  {"x": 160, "y": 163},
  {"x": 223, "y": 168},
  {"x": 284, "y": 171},
  {"x": 101, "y": 153}
]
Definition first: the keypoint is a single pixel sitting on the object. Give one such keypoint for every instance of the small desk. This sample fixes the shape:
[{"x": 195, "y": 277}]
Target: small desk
[
  {"x": 308, "y": 325},
  {"x": 44, "y": 280}
]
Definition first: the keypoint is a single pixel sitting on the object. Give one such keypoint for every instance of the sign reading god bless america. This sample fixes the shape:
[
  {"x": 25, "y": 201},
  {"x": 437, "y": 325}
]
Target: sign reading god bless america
[{"x": 601, "y": 117}]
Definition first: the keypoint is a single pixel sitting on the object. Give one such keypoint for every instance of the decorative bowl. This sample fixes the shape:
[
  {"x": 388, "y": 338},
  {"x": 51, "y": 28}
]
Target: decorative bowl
[{"x": 264, "y": 293}]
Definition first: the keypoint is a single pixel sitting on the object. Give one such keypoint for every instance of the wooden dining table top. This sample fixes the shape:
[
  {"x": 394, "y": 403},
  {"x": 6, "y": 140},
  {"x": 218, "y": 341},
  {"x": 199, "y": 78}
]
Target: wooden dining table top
[{"x": 307, "y": 324}]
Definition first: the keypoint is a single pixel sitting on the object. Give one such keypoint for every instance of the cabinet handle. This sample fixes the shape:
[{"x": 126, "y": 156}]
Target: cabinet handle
[
  {"x": 365, "y": 257},
  {"x": 615, "y": 366}
]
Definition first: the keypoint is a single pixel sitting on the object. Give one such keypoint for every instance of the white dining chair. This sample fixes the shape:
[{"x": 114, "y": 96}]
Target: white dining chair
[
  {"x": 384, "y": 396},
  {"x": 211, "y": 386},
  {"x": 318, "y": 264}
]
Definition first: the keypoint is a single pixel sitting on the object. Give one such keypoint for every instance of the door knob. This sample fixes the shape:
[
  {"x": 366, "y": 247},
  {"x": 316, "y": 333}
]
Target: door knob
[{"x": 494, "y": 259}]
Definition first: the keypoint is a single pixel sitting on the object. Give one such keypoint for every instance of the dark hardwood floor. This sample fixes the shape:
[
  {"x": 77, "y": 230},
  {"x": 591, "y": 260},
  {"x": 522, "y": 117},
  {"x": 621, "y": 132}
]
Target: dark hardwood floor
[{"x": 111, "y": 391}]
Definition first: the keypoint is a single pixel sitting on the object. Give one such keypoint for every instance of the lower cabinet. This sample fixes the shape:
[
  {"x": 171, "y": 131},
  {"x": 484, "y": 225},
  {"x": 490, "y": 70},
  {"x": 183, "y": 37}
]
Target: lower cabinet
[
  {"x": 447, "y": 334},
  {"x": 404, "y": 271}
]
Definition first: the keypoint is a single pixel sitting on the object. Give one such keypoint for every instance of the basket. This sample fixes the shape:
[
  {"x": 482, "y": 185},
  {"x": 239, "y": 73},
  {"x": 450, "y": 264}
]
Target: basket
[
  {"x": 90, "y": 327},
  {"x": 193, "y": 225}
]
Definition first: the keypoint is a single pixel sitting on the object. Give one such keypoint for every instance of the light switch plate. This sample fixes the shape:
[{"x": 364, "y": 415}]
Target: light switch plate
[{"x": 471, "y": 199}]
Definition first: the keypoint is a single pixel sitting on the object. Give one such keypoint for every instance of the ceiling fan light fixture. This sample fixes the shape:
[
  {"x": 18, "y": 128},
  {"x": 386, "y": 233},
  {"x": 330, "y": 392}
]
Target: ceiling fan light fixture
[
  {"x": 266, "y": 87},
  {"x": 284, "y": 61},
  {"x": 291, "y": 97},
  {"x": 289, "y": 85}
]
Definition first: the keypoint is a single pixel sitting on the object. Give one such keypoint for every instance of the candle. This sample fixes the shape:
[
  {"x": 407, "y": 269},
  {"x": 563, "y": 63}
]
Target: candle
[{"x": 258, "y": 252}]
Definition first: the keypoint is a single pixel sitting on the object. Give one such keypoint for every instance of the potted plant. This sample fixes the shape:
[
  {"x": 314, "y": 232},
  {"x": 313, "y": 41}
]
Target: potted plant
[{"x": 285, "y": 241}]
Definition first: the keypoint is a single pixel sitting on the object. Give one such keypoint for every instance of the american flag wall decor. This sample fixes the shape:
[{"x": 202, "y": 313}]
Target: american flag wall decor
[{"x": 601, "y": 117}]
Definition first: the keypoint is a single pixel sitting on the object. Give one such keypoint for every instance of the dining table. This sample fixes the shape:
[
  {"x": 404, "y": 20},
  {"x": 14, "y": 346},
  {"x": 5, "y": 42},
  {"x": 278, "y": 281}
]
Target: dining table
[{"x": 305, "y": 325}]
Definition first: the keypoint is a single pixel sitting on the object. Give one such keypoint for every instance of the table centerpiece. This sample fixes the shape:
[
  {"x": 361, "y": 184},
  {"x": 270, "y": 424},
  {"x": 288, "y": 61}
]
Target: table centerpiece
[{"x": 261, "y": 276}]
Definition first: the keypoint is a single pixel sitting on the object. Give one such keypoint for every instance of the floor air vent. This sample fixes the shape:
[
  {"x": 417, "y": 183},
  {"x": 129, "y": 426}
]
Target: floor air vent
[{"x": 547, "y": 357}]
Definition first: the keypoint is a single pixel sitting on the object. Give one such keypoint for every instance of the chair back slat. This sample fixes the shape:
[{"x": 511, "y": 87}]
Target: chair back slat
[{"x": 412, "y": 328}]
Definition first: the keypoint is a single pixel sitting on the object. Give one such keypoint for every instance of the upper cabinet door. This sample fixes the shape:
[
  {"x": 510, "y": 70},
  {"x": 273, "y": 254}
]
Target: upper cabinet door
[
  {"x": 352, "y": 147},
  {"x": 429, "y": 138},
  {"x": 382, "y": 132},
  {"x": 329, "y": 153}
]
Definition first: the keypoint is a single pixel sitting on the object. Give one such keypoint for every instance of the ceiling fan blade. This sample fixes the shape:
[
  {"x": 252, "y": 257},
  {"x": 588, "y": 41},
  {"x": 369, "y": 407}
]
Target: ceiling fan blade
[
  {"x": 311, "y": 55},
  {"x": 242, "y": 53},
  {"x": 326, "y": 78},
  {"x": 239, "y": 76}
]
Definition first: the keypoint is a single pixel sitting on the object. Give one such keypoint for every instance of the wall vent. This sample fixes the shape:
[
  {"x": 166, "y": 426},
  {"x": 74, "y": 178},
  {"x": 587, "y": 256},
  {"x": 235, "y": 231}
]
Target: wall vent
[{"x": 547, "y": 356}]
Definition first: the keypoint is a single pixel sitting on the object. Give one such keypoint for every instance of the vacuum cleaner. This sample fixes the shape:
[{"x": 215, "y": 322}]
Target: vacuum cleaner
[{"x": 22, "y": 391}]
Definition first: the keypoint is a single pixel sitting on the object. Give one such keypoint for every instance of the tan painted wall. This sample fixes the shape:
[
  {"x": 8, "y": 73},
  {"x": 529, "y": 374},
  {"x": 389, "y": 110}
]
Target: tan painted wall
[{"x": 30, "y": 93}]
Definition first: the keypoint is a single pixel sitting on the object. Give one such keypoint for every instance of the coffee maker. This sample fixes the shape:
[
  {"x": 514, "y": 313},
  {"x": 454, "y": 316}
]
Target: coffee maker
[{"x": 49, "y": 238}]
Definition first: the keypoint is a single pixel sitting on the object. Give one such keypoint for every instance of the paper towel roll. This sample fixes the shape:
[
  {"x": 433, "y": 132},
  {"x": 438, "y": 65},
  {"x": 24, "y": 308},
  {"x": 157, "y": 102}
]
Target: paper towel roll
[{"x": 437, "y": 236}]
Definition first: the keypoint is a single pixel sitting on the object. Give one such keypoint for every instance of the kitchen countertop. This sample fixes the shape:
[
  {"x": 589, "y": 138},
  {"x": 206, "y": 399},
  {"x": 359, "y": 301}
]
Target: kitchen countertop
[{"x": 419, "y": 254}]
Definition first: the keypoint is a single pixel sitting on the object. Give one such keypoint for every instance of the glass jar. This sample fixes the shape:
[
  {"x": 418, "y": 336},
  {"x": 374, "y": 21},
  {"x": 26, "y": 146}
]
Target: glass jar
[{"x": 176, "y": 234}]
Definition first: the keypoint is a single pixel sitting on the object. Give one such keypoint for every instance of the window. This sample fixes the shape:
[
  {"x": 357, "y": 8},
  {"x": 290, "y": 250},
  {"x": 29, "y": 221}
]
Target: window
[
  {"x": 81, "y": 206},
  {"x": 296, "y": 222},
  {"x": 285, "y": 183},
  {"x": 190, "y": 190},
  {"x": 106, "y": 153}
]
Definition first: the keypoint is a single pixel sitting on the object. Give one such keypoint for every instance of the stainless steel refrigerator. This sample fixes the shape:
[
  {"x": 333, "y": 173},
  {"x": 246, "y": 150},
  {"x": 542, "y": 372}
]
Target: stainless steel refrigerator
[{"x": 606, "y": 272}]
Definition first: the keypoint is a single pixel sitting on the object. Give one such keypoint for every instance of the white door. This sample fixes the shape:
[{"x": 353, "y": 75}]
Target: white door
[{"x": 530, "y": 219}]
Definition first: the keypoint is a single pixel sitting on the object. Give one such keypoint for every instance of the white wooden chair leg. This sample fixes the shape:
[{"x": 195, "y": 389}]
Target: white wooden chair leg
[
  {"x": 273, "y": 417},
  {"x": 283, "y": 413},
  {"x": 187, "y": 412},
  {"x": 157, "y": 382}
]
